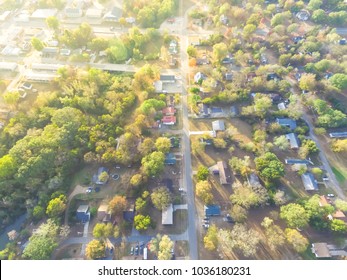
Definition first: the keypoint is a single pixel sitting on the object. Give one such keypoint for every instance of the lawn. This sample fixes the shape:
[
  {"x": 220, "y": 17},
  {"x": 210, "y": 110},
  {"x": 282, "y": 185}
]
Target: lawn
[{"x": 340, "y": 174}]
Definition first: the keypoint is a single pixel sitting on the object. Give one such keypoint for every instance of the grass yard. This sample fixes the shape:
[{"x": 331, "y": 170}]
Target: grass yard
[{"x": 340, "y": 174}]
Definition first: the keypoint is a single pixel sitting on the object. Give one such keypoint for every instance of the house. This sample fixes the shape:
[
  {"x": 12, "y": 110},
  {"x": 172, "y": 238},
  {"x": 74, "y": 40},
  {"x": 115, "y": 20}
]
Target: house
[
  {"x": 290, "y": 123},
  {"x": 222, "y": 169},
  {"x": 170, "y": 159},
  {"x": 297, "y": 161},
  {"x": 73, "y": 12},
  {"x": 167, "y": 215},
  {"x": 44, "y": 13},
  {"x": 94, "y": 13},
  {"x": 114, "y": 15},
  {"x": 228, "y": 76},
  {"x": 129, "y": 214},
  {"x": 343, "y": 42},
  {"x": 204, "y": 110},
  {"x": 338, "y": 134},
  {"x": 83, "y": 214},
  {"x": 339, "y": 215},
  {"x": 167, "y": 79},
  {"x": 158, "y": 86},
  {"x": 50, "y": 51},
  {"x": 40, "y": 77},
  {"x": 321, "y": 250},
  {"x": 281, "y": 106},
  {"x": 8, "y": 66},
  {"x": 199, "y": 77},
  {"x": 169, "y": 120},
  {"x": 310, "y": 183},
  {"x": 202, "y": 61},
  {"x": 104, "y": 215},
  {"x": 10, "y": 51},
  {"x": 169, "y": 111},
  {"x": 293, "y": 140},
  {"x": 218, "y": 125},
  {"x": 96, "y": 177},
  {"x": 212, "y": 210}
]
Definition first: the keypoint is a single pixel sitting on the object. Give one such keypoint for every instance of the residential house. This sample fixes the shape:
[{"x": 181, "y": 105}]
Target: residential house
[
  {"x": 94, "y": 13},
  {"x": 202, "y": 61},
  {"x": 324, "y": 201},
  {"x": 169, "y": 120},
  {"x": 204, "y": 110},
  {"x": 290, "y": 123},
  {"x": 297, "y": 161},
  {"x": 158, "y": 86},
  {"x": 169, "y": 111},
  {"x": 104, "y": 215},
  {"x": 114, "y": 15},
  {"x": 218, "y": 125},
  {"x": 96, "y": 177},
  {"x": 310, "y": 183},
  {"x": 83, "y": 214},
  {"x": 227, "y": 60},
  {"x": 170, "y": 159},
  {"x": 320, "y": 250},
  {"x": 222, "y": 169},
  {"x": 167, "y": 215},
  {"x": 129, "y": 214},
  {"x": 212, "y": 210},
  {"x": 293, "y": 140},
  {"x": 338, "y": 134},
  {"x": 199, "y": 76},
  {"x": 254, "y": 179},
  {"x": 167, "y": 79},
  {"x": 50, "y": 51},
  {"x": 71, "y": 12}
]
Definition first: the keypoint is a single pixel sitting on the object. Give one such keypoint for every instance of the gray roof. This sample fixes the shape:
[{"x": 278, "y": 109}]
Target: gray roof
[
  {"x": 167, "y": 77},
  {"x": 293, "y": 140},
  {"x": 310, "y": 184},
  {"x": 115, "y": 14},
  {"x": 338, "y": 134},
  {"x": 218, "y": 125},
  {"x": 321, "y": 250},
  {"x": 287, "y": 122},
  {"x": 83, "y": 208},
  {"x": 199, "y": 76},
  {"x": 297, "y": 161}
]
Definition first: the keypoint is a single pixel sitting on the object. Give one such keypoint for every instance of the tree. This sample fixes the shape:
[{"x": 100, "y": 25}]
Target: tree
[
  {"x": 339, "y": 145},
  {"x": 282, "y": 142},
  {"x": 341, "y": 204},
  {"x": 161, "y": 198},
  {"x": 274, "y": 234},
  {"x": 11, "y": 98},
  {"x": 142, "y": 222},
  {"x": 43, "y": 242},
  {"x": 103, "y": 231},
  {"x": 146, "y": 147},
  {"x": 137, "y": 180},
  {"x": 202, "y": 173},
  {"x": 308, "y": 82},
  {"x": 211, "y": 238},
  {"x": 117, "y": 205},
  {"x": 117, "y": 52},
  {"x": 295, "y": 215},
  {"x": 52, "y": 22},
  {"x": 95, "y": 249},
  {"x": 192, "y": 51},
  {"x": 238, "y": 213},
  {"x": 219, "y": 143},
  {"x": 269, "y": 166},
  {"x": 203, "y": 191},
  {"x": 245, "y": 239},
  {"x": 37, "y": 44},
  {"x": 297, "y": 240},
  {"x": 338, "y": 226},
  {"x": 339, "y": 80},
  {"x": 99, "y": 44},
  {"x": 7, "y": 167},
  {"x": 153, "y": 164},
  {"x": 248, "y": 30},
  {"x": 240, "y": 166},
  {"x": 244, "y": 195},
  {"x": 38, "y": 212},
  {"x": 220, "y": 51},
  {"x": 56, "y": 206},
  {"x": 162, "y": 246},
  {"x": 262, "y": 104},
  {"x": 103, "y": 177},
  {"x": 319, "y": 16},
  {"x": 280, "y": 198},
  {"x": 163, "y": 144}
]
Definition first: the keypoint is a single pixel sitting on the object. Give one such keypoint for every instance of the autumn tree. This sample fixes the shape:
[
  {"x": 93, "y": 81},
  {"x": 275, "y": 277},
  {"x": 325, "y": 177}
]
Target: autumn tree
[
  {"x": 37, "y": 44},
  {"x": 282, "y": 142},
  {"x": 192, "y": 51},
  {"x": 244, "y": 195},
  {"x": 202, "y": 173},
  {"x": 211, "y": 238},
  {"x": 117, "y": 205},
  {"x": 52, "y": 22},
  {"x": 56, "y": 206},
  {"x": 238, "y": 213},
  {"x": 274, "y": 234},
  {"x": 308, "y": 82},
  {"x": 142, "y": 222},
  {"x": 163, "y": 144},
  {"x": 203, "y": 191},
  {"x": 162, "y": 246},
  {"x": 297, "y": 240},
  {"x": 95, "y": 249},
  {"x": 220, "y": 51},
  {"x": 240, "y": 166},
  {"x": 161, "y": 198}
]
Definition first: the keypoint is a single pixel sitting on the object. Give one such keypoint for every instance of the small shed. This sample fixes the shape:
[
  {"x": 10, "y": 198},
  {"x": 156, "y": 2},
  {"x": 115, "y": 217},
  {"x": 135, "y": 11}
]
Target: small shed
[
  {"x": 310, "y": 184},
  {"x": 218, "y": 125},
  {"x": 212, "y": 210},
  {"x": 167, "y": 215},
  {"x": 83, "y": 214},
  {"x": 321, "y": 250}
]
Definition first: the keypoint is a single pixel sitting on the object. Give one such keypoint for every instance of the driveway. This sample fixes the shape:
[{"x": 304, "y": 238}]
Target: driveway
[{"x": 77, "y": 190}]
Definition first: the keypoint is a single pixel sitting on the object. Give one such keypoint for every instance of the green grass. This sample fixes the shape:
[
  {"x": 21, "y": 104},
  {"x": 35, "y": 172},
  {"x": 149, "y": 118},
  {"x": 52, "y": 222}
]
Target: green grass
[{"x": 340, "y": 175}]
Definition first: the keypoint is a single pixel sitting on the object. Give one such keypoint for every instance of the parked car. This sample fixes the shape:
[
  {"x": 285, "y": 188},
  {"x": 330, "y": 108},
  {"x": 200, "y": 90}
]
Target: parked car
[
  {"x": 132, "y": 251},
  {"x": 137, "y": 250},
  {"x": 89, "y": 190},
  {"x": 330, "y": 195}
]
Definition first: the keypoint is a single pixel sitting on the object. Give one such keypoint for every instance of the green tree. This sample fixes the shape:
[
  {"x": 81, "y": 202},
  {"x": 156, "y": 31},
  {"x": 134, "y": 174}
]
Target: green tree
[
  {"x": 161, "y": 198},
  {"x": 52, "y": 22},
  {"x": 56, "y": 206},
  {"x": 248, "y": 30},
  {"x": 282, "y": 142},
  {"x": 11, "y": 98},
  {"x": 274, "y": 235},
  {"x": 103, "y": 231},
  {"x": 238, "y": 213},
  {"x": 220, "y": 51},
  {"x": 95, "y": 249},
  {"x": 37, "y": 44},
  {"x": 99, "y": 44},
  {"x": 339, "y": 80},
  {"x": 295, "y": 215},
  {"x": 269, "y": 166},
  {"x": 297, "y": 240},
  {"x": 163, "y": 144},
  {"x": 153, "y": 164},
  {"x": 338, "y": 226},
  {"x": 142, "y": 222},
  {"x": 192, "y": 51},
  {"x": 38, "y": 212},
  {"x": 203, "y": 191},
  {"x": 202, "y": 173},
  {"x": 308, "y": 82},
  {"x": 7, "y": 167},
  {"x": 241, "y": 166},
  {"x": 341, "y": 204},
  {"x": 117, "y": 52},
  {"x": 211, "y": 238}
]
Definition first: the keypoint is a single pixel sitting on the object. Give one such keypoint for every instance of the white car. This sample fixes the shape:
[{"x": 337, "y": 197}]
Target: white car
[{"x": 330, "y": 195}]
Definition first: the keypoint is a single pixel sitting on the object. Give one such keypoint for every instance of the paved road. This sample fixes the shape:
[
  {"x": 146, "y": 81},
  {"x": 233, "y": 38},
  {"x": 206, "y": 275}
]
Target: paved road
[
  {"x": 332, "y": 183},
  {"x": 341, "y": 30}
]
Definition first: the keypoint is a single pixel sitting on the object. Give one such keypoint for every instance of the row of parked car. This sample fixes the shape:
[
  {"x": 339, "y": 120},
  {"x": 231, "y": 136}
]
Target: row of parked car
[{"x": 138, "y": 249}]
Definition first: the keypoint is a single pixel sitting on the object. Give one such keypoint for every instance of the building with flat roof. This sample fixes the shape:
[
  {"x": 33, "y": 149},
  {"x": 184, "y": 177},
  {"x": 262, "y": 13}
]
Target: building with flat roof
[
  {"x": 8, "y": 66},
  {"x": 338, "y": 134},
  {"x": 290, "y": 123},
  {"x": 321, "y": 250},
  {"x": 218, "y": 125},
  {"x": 167, "y": 215},
  {"x": 293, "y": 140}
]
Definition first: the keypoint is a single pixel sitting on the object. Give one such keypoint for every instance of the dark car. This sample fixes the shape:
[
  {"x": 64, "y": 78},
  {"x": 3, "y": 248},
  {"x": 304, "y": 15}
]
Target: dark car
[{"x": 137, "y": 250}]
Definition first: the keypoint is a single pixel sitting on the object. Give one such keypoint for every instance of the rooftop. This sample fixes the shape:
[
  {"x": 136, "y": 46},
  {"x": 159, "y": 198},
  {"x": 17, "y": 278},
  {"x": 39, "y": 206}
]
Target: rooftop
[
  {"x": 287, "y": 122},
  {"x": 167, "y": 215},
  {"x": 321, "y": 250},
  {"x": 310, "y": 184},
  {"x": 293, "y": 140},
  {"x": 218, "y": 125}
]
